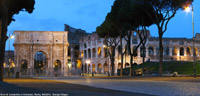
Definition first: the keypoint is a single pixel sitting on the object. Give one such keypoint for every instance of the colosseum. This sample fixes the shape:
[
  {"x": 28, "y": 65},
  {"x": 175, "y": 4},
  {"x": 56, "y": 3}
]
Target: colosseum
[{"x": 95, "y": 57}]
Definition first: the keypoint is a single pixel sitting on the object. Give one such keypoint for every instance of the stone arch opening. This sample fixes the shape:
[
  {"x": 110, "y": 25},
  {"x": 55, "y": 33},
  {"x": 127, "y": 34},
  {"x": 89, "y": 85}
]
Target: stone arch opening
[
  {"x": 85, "y": 54},
  {"x": 119, "y": 66},
  {"x": 174, "y": 51},
  {"x": 105, "y": 52},
  {"x": 196, "y": 51},
  {"x": 89, "y": 53},
  {"x": 40, "y": 63},
  {"x": 57, "y": 66},
  {"x": 93, "y": 67},
  {"x": 81, "y": 53},
  {"x": 24, "y": 66},
  {"x": 99, "y": 68},
  {"x": 166, "y": 50},
  {"x": 105, "y": 67},
  {"x": 99, "y": 51},
  {"x": 188, "y": 53},
  {"x": 181, "y": 51},
  {"x": 150, "y": 49},
  {"x": 93, "y": 52}
]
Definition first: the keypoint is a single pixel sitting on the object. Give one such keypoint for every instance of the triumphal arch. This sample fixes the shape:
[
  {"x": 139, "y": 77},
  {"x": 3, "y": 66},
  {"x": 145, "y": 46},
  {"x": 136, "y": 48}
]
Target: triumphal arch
[{"x": 54, "y": 46}]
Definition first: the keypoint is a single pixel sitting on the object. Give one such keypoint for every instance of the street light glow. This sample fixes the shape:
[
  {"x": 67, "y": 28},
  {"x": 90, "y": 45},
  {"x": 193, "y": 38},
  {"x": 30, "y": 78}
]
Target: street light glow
[
  {"x": 12, "y": 37},
  {"x": 187, "y": 9},
  {"x": 88, "y": 61}
]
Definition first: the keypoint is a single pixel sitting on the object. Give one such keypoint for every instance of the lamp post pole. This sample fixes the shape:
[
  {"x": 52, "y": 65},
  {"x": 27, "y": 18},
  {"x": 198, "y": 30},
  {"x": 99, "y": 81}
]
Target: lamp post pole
[
  {"x": 64, "y": 53},
  {"x": 9, "y": 59},
  {"x": 194, "y": 65},
  {"x": 9, "y": 56}
]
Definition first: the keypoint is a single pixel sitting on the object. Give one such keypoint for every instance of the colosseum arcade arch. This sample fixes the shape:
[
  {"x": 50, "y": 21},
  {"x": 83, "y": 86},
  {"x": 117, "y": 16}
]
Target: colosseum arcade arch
[{"x": 53, "y": 44}]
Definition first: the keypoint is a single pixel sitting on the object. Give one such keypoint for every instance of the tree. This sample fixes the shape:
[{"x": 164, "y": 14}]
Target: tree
[
  {"x": 167, "y": 10},
  {"x": 8, "y": 8},
  {"x": 131, "y": 16},
  {"x": 109, "y": 32},
  {"x": 119, "y": 25}
]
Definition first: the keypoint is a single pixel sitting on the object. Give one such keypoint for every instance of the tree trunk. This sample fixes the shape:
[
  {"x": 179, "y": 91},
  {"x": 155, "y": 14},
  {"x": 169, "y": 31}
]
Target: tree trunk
[
  {"x": 2, "y": 45},
  {"x": 122, "y": 59},
  {"x": 112, "y": 60},
  {"x": 143, "y": 59},
  {"x": 112, "y": 66},
  {"x": 161, "y": 52},
  {"x": 131, "y": 62}
]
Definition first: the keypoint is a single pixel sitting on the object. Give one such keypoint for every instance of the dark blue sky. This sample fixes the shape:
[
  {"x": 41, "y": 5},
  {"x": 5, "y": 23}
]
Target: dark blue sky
[{"x": 51, "y": 15}]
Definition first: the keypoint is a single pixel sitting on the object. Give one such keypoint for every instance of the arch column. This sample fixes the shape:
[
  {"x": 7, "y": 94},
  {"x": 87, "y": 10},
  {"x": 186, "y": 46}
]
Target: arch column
[
  {"x": 185, "y": 51},
  {"x": 170, "y": 51},
  {"x": 96, "y": 66},
  {"x": 138, "y": 52},
  {"x": 154, "y": 51},
  {"x": 102, "y": 52},
  {"x": 96, "y": 52},
  {"x": 178, "y": 51},
  {"x": 147, "y": 52},
  {"x": 102, "y": 68}
]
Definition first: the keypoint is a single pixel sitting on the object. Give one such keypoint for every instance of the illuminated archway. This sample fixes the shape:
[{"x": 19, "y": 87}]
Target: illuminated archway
[
  {"x": 99, "y": 52},
  {"x": 24, "y": 67},
  {"x": 196, "y": 51},
  {"x": 119, "y": 66},
  {"x": 99, "y": 68},
  {"x": 57, "y": 66},
  {"x": 94, "y": 53},
  {"x": 174, "y": 51},
  {"x": 105, "y": 67},
  {"x": 188, "y": 53},
  {"x": 93, "y": 67}
]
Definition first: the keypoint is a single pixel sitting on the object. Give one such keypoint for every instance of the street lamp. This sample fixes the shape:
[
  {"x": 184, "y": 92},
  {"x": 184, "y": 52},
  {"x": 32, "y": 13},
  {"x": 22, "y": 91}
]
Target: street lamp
[
  {"x": 188, "y": 8},
  {"x": 11, "y": 36}
]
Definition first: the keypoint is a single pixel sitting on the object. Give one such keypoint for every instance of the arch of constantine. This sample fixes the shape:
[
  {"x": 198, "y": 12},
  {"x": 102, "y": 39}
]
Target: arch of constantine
[{"x": 53, "y": 44}]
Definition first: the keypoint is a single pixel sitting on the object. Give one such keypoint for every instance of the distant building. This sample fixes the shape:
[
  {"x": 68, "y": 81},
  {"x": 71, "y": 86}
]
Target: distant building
[
  {"x": 9, "y": 59},
  {"x": 95, "y": 57},
  {"x": 73, "y": 51}
]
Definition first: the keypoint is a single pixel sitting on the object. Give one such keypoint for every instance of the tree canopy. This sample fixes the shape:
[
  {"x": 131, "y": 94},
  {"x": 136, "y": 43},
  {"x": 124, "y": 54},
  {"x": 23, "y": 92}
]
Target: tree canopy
[
  {"x": 7, "y": 10},
  {"x": 11, "y": 7}
]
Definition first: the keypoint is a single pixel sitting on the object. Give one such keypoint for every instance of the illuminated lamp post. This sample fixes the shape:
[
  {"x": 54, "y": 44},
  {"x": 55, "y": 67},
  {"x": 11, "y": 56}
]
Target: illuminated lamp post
[
  {"x": 9, "y": 60},
  {"x": 188, "y": 8}
]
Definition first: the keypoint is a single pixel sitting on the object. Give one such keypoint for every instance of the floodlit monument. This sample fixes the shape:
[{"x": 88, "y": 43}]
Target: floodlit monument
[
  {"x": 95, "y": 56},
  {"x": 51, "y": 46}
]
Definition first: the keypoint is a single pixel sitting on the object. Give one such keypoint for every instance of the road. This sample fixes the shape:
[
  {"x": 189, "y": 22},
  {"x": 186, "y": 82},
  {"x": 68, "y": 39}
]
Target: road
[
  {"x": 164, "y": 86},
  {"x": 40, "y": 87}
]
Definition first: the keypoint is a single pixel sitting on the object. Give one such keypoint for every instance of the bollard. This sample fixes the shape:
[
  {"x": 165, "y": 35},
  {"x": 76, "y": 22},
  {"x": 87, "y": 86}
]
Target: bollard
[
  {"x": 17, "y": 74},
  {"x": 92, "y": 74}
]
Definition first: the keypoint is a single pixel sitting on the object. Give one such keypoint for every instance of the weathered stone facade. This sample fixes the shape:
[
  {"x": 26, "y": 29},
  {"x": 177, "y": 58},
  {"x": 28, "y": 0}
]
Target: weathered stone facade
[
  {"x": 53, "y": 44},
  {"x": 73, "y": 51},
  {"x": 92, "y": 49}
]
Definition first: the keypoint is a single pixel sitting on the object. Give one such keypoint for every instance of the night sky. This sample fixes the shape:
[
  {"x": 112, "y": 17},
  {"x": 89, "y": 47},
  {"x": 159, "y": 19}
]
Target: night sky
[{"x": 51, "y": 15}]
